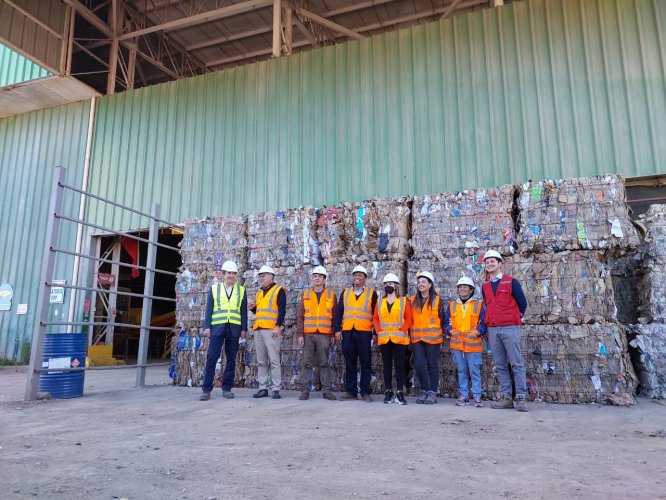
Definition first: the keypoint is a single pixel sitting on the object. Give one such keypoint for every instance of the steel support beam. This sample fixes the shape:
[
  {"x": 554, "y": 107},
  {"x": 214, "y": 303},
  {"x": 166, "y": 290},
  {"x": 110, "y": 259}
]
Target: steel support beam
[
  {"x": 277, "y": 28},
  {"x": 329, "y": 24}
]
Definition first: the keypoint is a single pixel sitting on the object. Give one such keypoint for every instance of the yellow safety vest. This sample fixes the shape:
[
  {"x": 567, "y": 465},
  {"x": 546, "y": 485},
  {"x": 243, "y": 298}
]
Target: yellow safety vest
[
  {"x": 390, "y": 323},
  {"x": 426, "y": 326},
  {"x": 267, "y": 309},
  {"x": 465, "y": 317},
  {"x": 318, "y": 314},
  {"x": 227, "y": 309}
]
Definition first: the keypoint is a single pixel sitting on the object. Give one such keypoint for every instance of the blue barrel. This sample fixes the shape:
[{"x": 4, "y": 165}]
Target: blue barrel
[{"x": 63, "y": 350}]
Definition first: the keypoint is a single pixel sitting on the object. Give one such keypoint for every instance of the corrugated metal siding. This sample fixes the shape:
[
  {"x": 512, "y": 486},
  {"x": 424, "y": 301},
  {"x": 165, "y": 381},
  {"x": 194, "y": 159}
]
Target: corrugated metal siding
[
  {"x": 536, "y": 89},
  {"x": 14, "y": 68},
  {"x": 31, "y": 145}
]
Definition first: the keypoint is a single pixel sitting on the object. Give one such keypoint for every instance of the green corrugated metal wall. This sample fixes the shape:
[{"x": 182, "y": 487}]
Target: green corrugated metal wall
[
  {"x": 536, "y": 89},
  {"x": 31, "y": 145},
  {"x": 14, "y": 68}
]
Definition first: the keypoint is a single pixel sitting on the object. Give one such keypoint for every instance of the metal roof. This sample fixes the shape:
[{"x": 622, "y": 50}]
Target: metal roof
[{"x": 14, "y": 68}]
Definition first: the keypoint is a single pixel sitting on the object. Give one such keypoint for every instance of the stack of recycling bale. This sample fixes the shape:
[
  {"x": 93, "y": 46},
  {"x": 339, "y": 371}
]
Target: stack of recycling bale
[
  {"x": 649, "y": 333},
  {"x": 206, "y": 244},
  {"x": 374, "y": 233},
  {"x": 286, "y": 241},
  {"x": 450, "y": 234},
  {"x": 575, "y": 349}
]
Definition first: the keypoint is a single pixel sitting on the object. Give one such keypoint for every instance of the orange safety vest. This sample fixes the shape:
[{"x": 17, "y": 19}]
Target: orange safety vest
[
  {"x": 267, "y": 309},
  {"x": 426, "y": 323},
  {"x": 390, "y": 323},
  {"x": 465, "y": 317},
  {"x": 357, "y": 317},
  {"x": 318, "y": 314}
]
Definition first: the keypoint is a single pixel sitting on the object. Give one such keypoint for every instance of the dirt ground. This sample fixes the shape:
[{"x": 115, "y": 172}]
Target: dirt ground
[{"x": 161, "y": 442}]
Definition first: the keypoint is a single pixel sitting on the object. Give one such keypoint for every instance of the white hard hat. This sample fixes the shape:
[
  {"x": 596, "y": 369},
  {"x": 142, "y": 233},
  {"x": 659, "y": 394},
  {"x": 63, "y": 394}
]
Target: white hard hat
[
  {"x": 425, "y": 274},
  {"x": 360, "y": 269},
  {"x": 230, "y": 266},
  {"x": 266, "y": 269},
  {"x": 391, "y": 278},
  {"x": 492, "y": 254},
  {"x": 320, "y": 270},
  {"x": 465, "y": 280}
]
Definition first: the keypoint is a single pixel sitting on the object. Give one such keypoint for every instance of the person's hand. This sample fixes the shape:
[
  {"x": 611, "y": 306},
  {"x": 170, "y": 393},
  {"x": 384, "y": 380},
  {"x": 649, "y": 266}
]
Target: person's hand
[
  {"x": 301, "y": 341},
  {"x": 206, "y": 332},
  {"x": 276, "y": 331},
  {"x": 474, "y": 332},
  {"x": 252, "y": 304},
  {"x": 243, "y": 334},
  {"x": 338, "y": 336}
]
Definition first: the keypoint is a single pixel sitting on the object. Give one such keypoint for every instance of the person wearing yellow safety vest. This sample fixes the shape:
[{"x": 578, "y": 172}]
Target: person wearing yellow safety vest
[
  {"x": 464, "y": 325},
  {"x": 392, "y": 319},
  {"x": 269, "y": 309},
  {"x": 314, "y": 324},
  {"x": 427, "y": 336},
  {"x": 225, "y": 323},
  {"x": 353, "y": 325}
]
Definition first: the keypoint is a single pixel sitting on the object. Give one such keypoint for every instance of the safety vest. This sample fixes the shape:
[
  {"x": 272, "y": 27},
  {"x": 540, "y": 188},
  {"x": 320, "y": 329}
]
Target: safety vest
[
  {"x": 501, "y": 307},
  {"x": 318, "y": 313},
  {"x": 227, "y": 309},
  {"x": 358, "y": 311},
  {"x": 465, "y": 317},
  {"x": 391, "y": 321},
  {"x": 426, "y": 323},
  {"x": 267, "y": 308}
]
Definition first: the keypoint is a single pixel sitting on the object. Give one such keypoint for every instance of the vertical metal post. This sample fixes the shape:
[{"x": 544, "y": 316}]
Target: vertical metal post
[
  {"x": 147, "y": 310},
  {"x": 48, "y": 262},
  {"x": 113, "y": 297},
  {"x": 277, "y": 28},
  {"x": 288, "y": 28},
  {"x": 93, "y": 251},
  {"x": 115, "y": 44}
]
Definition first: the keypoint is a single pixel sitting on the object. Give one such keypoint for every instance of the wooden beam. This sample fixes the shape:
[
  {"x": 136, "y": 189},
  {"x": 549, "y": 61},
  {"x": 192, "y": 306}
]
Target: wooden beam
[
  {"x": 114, "y": 16},
  {"x": 498, "y": 3},
  {"x": 89, "y": 16},
  {"x": 258, "y": 53},
  {"x": 288, "y": 28},
  {"x": 204, "y": 17},
  {"x": 228, "y": 38},
  {"x": 277, "y": 28},
  {"x": 306, "y": 32},
  {"x": 329, "y": 24},
  {"x": 453, "y": 6}
]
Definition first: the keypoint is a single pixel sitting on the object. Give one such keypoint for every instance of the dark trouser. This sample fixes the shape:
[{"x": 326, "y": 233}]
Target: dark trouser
[
  {"x": 393, "y": 354},
  {"x": 426, "y": 363},
  {"x": 230, "y": 343},
  {"x": 356, "y": 347},
  {"x": 315, "y": 350}
]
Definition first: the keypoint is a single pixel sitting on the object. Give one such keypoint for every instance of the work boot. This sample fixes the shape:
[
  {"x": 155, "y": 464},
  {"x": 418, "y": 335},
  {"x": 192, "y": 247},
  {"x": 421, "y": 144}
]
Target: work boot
[
  {"x": 400, "y": 398},
  {"x": 503, "y": 403},
  {"x": 422, "y": 398},
  {"x": 462, "y": 401},
  {"x": 276, "y": 395},
  {"x": 521, "y": 405},
  {"x": 328, "y": 395},
  {"x": 348, "y": 397},
  {"x": 367, "y": 398},
  {"x": 228, "y": 394},
  {"x": 431, "y": 399},
  {"x": 204, "y": 396},
  {"x": 262, "y": 393},
  {"x": 478, "y": 403},
  {"x": 305, "y": 395},
  {"x": 388, "y": 396}
]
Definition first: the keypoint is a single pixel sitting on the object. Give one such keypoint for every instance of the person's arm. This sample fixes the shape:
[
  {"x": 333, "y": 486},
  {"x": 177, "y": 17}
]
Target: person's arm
[
  {"x": 243, "y": 312},
  {"x": 209, "y": 311},
  {"x": 375, "y": 319},
  {"x": 447, "y": 321},
  {"x": 373, "y": 303},
  {"x": 481, "y": 326},
  {"x": 300, "y": 320},
  {"x": 282, "y": 307},
  {"x": 407, "y": 317},
  {"x": 519, "y": 296},
  {"x": 340, "y": 312}
]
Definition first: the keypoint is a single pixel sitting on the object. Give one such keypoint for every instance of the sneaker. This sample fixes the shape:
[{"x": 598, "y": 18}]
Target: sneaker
[
  {"x": 348, "y": 397},
  {"x": 521, "y": 405},
  {"x": 262, "y": 393},
  {"x": 503, "y": 403},
  {"x": 328, "y": 395},
  {"x": 367, "y": 398},
  {"x": 228, "y": 395},
  {"x": 388, "y": 396},
  {"x": 305, "y": 395},
  {"x": 462, "y": 401},
  {"x": 422, "y": 398},
  {"x": 400, "y": 398},
  {"x": 478, "y": 403},
  {"x": 276, "y": 395},
  {"x": 204, "y": 396},
  {"x": 431, "y": 399}
]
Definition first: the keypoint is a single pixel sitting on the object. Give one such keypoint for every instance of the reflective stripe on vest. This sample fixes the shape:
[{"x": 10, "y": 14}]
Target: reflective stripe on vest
[
  {"x": 318, "y": 316},
  {"x": 427, "y": 325},
  {"x": 267, "y": 309},
  {"x": 226, "y": 309},
  {"x": 464, "y": 319},
  {"x": 390, "y": 323},
  {"x": 357, "y": 317}
]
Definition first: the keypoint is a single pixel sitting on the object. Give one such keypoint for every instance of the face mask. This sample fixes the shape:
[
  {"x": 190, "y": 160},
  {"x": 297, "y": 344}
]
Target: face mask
[{"x": 389, "y": 289}]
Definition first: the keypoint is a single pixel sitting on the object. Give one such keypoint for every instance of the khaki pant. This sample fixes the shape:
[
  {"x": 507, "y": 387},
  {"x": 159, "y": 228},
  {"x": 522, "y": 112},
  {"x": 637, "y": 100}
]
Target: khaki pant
[
  {"x": 268, "y": 350},
  {"x": 315, "y": 348}
]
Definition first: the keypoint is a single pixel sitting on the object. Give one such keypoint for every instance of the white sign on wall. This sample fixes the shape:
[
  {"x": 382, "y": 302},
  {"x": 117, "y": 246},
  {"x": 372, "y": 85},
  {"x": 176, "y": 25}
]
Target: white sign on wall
[{"x": 57, "y": 292}]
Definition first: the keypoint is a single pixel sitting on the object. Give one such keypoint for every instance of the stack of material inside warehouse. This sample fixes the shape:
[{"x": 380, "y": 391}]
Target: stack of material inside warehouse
[
  {"x": 575, "y": 348},
  {"x": 374, "y": 233},
  {"x": 206, "y": 244},
  {"x": 649, "y": 333}
]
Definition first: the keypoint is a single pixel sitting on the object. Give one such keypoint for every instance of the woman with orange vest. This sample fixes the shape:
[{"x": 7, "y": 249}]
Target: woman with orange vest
[
  {"x": 392, "y": 319},
  {"x": 427, "y": 335},
  {"x": 463, "y": 321}
]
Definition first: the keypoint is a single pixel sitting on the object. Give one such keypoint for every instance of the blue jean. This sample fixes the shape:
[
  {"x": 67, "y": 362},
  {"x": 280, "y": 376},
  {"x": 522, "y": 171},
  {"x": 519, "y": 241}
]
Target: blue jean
[
  {"x": 505, "y": 347},
  {"x": 230, "y": 343},
  {"x": 356, "y": 348},
  {"x": 426, "y": 364},
  {"x": 471, "y": 361}
]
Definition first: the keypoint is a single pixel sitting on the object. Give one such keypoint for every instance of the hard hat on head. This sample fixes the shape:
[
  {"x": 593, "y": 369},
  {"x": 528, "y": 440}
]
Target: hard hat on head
[
  {"x": 320, "y": 270},
  {"x": 465, "y": 280},
  {"x": 492, "y": 254},
  {"x": 266, "y": 269},
  {"x": 391, "y": 278},
  {"x": 360, "y": 269},
  {"x": 425, "y": 274},
  {"x": 230, "y": 266}
]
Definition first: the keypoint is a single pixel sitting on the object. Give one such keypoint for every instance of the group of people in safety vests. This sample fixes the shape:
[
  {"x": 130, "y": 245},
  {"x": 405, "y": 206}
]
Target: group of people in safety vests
[{"x": 358, "y": 318}]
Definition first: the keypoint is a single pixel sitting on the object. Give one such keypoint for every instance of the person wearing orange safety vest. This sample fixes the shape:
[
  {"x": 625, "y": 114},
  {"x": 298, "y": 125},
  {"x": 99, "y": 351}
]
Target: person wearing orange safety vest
[
  {"x": 353, "y": 326},
  {"x": 464, "y": 325},
  {"x": 314, "y": 325},
  {"x": 427, "y": 335},
  {"x": 269, "y": 308},
  {"x": 392, "y": 319}
]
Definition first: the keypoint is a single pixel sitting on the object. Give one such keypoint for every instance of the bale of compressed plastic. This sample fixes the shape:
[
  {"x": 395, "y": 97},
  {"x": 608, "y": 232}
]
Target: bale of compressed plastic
[
  {"x": 575, "y": 214},
  {"x": 649, "y": 341},
  {"x": 627, "y": 273}
]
